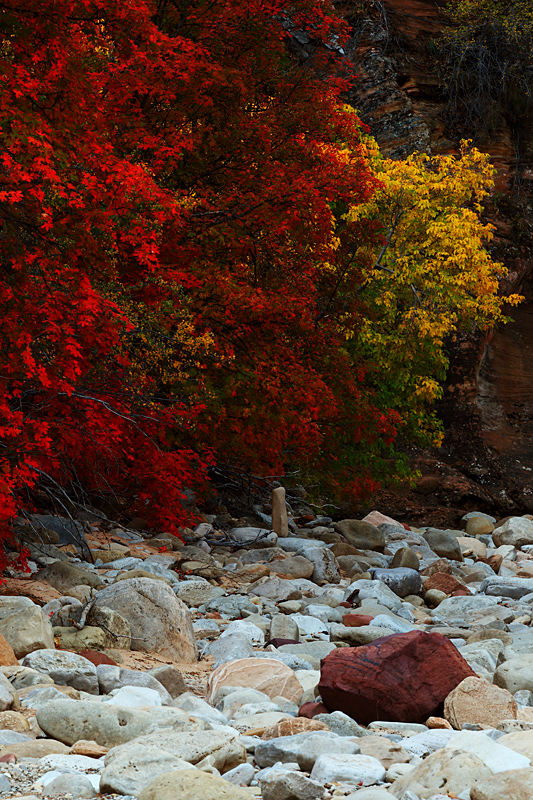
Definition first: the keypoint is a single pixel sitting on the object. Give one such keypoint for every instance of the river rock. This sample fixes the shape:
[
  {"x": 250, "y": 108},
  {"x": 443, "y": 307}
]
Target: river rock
[
  {"x": 325, "y": 568},
  {"x": 63, "y": 575},
  {"x": 110, "y": 678},
  {"x": 514, "y": 784},
  {"x": 108, "y": 725},
  {"x": 516, "y": 531},
  {"x": 405, "y": 677},
  {"x": 160, "y": 622},
  {"x": 225, "y": 750},
  {"x": 401, "y": 580},
  {"x": 295, "y": 566},
  {"x": 515, "y": 674},
  {"x": 444, "y": 544},
  {"x": 192, "y": 785},
  {"x": 65, "y": 669},
  {"x": 131, "y": 767},
  {"x": 507, "y": 587},
  {"x": 347, "y": 769},
  {"x": 450, "y": 771},
  {"x": 477, "y": 701},
  {"x": 289, "y": 785},
  {"x": 264, "y": 674},
  {"x": 495, "y": 755},
  {"x": 303, "y": 748},
  {"x": 24, "y": 626},
  {"x": 362, "y": 535}
]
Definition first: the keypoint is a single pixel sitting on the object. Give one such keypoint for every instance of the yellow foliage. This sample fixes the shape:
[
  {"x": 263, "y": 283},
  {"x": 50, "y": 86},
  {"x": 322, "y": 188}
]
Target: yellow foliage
[{"x": 431, "y": 274}]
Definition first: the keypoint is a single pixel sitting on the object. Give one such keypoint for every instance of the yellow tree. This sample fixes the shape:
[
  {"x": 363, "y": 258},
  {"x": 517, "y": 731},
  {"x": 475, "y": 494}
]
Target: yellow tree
[{"x": 430, "y": 276}]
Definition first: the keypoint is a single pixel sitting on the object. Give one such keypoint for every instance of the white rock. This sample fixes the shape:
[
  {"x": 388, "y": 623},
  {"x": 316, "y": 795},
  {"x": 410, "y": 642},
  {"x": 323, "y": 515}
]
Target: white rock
[
  {"x": 497, "y": 757},
  {"x": 247, "y": 629},
  {"x": 310, "y": 625},
  {"x": 134, "y": 697},
  {"x": 348, "y": 769}
]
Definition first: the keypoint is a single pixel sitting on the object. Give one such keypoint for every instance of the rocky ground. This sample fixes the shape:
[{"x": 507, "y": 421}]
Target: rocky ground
[{"x": 361, "y": 659}]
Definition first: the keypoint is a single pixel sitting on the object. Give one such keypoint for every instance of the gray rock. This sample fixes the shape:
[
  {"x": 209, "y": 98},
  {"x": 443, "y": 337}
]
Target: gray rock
[
  {"x": 341, "y": 724},
  {"x": 131, "y": 767},
  {"x": 63, "y": 575},
  {"x": 225, "y": 749},
  {"x": 295, "y": 566},
  {"x": 291, "y": 661},
  {"x": 241, "y": 775},
  {"x": 232, "y": 606},
  {"x": 283, "y": 626},
  {"x": 159, "y": 621},
  {"x": 5, "y": 783},
  {"x": 197, "y": 707},
  {"x": 361, "y": 534},
  {"x": 295, "y": 544},
  {"x": 374, "y": 590},
  {"x": 68, "y": 721},
  {"x": 111, "y": 677},
  {"x": 515, "y": 675},
  {"x": 303, "y": 748},
  {"x": 41, "y": 696},
  {"x": 325, "y": 568},
  {"x": 317, "y": 650},
  {"x": 356, "y": 637},
  {"x": 230, "y": 699},
  {"x": 65, "y": 669},
  {"x": 171, "y": 678},
  {"x": 516, "y": 531},
  {"x": 461, "y": 608},
  {"x": 11, "y": 737},
  {"x": 196, "y": 593},
  {"x": 444, "y": 544},
  {"x": 289, "y": 785},
  {"x": 277, "y": 589},
  {"x": 230, "y": 648},
  {"x": 24, "y": 626},
  {"x": 401, "y": 580},
  {"x": 76, "y": 785},
  {"x": 507, "y": 587}
]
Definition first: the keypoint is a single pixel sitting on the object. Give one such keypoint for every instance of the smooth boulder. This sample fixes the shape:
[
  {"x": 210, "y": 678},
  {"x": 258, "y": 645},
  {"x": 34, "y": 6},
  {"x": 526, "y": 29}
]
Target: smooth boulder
[
  {"x": 192, "y": 785},
  {"x": 159, "y": 621}
]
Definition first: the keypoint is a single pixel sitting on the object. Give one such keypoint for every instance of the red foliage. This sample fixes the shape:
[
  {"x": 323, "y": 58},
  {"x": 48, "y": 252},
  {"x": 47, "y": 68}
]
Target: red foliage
[{"x": 174, "y": 161}]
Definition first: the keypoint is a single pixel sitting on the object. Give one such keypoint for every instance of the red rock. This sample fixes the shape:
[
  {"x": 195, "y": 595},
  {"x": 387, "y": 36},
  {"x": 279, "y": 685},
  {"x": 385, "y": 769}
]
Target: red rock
[
  {"x": 9, "y": 758},
  {"x": 213, "y": 615},
  {"x": 444, "y": 583},
  {"x": 460, "y": 592},
  {"x": 402, "y": 678},
  {"x": 356, "y": 620},
  {"x": 310, "y": 710},
  {"x": 278, "y": 642},
  {"x": 345, "y": 604},
  {"x": 442, "y": 565},
  {"x": 97, "y": 658}
]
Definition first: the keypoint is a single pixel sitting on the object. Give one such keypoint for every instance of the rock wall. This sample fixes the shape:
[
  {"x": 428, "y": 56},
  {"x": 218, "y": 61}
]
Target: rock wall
[{"x": 487, "y": 457}]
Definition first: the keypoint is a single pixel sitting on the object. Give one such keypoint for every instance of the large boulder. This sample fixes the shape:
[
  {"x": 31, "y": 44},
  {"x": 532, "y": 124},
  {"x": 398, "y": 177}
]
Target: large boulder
[
  {"x": 477, "y": 701},
  {"x": 514, "y": 784},
  {"x": 360, "y": 534},
  {"x": 108, "y": 725},
  {"x": 24, "y": 626},
  {"x": 402, "y": 678},
  {"x": 159, "y": 621}
]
